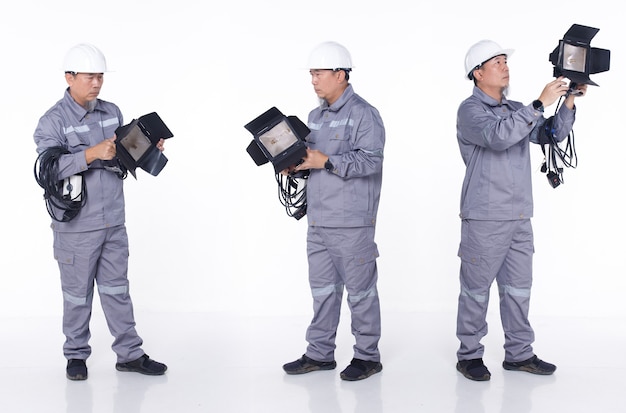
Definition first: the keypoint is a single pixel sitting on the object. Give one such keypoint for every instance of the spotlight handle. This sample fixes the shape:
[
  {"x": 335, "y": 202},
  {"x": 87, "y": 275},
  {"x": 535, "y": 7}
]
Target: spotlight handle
[{"x": 572, "y": 90}]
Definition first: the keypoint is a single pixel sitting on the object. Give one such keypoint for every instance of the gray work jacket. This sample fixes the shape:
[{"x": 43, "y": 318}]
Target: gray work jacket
[
  {"x": 494, "y": 141},
  {"x": 351, "y": 133},
  {"x": 71, "y": 126}
]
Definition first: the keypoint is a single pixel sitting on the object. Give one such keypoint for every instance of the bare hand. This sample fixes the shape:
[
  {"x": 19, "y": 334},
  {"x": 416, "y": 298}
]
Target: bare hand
[
  {"x": 104, "y": 150},
  {"x": 314, "y": 159},
  {"x": 553, "y": 90},
  {"x": 161, "y": 145},
  {"x": 581, "y": 90},
  {"x": 288, "y": 170}
]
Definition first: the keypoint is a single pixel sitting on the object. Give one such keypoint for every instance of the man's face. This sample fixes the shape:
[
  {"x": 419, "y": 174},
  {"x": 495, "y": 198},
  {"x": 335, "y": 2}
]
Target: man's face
[
  {"x": 84, "y": 87},
  {"x": 327, "y": 84},
  {"x": 495, "y": 72}
]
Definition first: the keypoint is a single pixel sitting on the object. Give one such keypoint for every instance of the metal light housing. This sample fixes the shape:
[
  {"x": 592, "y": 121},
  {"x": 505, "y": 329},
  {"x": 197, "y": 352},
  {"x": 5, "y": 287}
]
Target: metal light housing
[
  {"x": 575, "y": 59},
  {"x": 136, "y": 144},
  {"x": 278, "y": 139}
]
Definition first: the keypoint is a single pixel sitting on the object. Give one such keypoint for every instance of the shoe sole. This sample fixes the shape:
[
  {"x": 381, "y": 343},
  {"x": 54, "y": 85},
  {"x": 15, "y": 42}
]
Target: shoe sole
[
  {"x": 528, "y": 370},
  {"x": 77, "y": 377},
  {"x": 310, "y": 369},
  {"x": 367, "y": 374},
  {"x": 131, "y": 370}
]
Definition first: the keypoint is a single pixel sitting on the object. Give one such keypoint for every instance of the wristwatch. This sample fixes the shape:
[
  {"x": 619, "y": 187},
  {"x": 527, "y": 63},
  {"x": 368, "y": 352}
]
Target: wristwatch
[
  {"x": 538, "y": 105},
  {"x": 329, "y": 165}
]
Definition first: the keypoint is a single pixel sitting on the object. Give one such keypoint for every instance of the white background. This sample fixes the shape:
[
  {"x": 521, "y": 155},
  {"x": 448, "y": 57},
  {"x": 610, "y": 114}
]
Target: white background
[{"x": 209, "y": 234}]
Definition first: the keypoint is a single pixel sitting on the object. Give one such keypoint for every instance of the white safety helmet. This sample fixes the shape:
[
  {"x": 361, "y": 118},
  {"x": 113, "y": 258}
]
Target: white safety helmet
[
  {"x": 480, "y": 52},
  {"x": 84, "y": 58},
  {"x": 330, "y": 55}
]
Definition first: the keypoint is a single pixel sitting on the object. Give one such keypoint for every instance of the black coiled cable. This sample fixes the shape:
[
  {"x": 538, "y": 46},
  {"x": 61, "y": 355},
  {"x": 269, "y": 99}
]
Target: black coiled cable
[
  {"x": 554, "y": 153},
  {"x": 46, "y": 172},
  {"x": 292, "y": 193}
]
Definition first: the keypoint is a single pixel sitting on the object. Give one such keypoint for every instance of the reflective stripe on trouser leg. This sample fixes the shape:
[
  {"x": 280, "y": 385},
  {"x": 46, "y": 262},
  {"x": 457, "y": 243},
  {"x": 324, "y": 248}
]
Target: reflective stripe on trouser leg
[
  {"x": 338, "y": 257},
  {"x": 492, "y": 250}
]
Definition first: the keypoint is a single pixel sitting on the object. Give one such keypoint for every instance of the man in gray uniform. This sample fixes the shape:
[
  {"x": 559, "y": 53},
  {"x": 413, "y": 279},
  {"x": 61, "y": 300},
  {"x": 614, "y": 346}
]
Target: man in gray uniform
[
  {"x": 345, "y": 158},
  {"x": 496, "y": 206},
  {"x": 92, "y": 246}
]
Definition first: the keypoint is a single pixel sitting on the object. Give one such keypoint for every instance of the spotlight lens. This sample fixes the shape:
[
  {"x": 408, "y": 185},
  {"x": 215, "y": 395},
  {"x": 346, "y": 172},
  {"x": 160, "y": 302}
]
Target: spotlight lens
[
  {"x": 278, "y": 139},
  {"x": 574, "y": 58}
]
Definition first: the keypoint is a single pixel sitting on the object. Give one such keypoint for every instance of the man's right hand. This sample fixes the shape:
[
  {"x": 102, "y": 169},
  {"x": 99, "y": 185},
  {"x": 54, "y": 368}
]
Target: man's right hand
[
  {"x": 104, "y": 150},
  {"x": 553, "y": 90}
]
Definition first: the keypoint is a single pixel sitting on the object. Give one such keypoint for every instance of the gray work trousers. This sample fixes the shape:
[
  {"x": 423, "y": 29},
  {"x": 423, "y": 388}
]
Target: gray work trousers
[
  {"x": 100, "y": 256},
  {"x": 500, "y": 250},
  {"x": 341, "y": 257}
]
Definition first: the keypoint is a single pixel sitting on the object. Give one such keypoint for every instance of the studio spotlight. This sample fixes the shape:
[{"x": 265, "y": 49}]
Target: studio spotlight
[
  {"x": 278, "y": 139},
  {"x": 136, "y": 144},
  {"x": 575, "y": 59}
]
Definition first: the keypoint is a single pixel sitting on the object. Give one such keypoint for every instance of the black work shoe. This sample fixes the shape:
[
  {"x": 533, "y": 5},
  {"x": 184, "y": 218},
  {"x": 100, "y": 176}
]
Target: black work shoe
[
  {"x": 76, "y": 369},
  {"x": 532, "y": 365},
  {"x": 360, "y": 369},
  {"x": 473, "y": 369},
  {"x": 143, "y": 365},
  {"x": 306, "y": 365}
]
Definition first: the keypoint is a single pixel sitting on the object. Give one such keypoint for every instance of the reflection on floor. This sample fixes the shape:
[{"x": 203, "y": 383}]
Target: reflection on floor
[{"x": 232, "y": 363}]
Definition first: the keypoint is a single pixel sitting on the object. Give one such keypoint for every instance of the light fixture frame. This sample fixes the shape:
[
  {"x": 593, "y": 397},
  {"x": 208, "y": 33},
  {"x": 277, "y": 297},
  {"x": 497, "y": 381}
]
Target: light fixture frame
[
  {"x": 136, "y": 144},
  {"x": 271, "y": 127},
  {"x": 578, "y": 39}
]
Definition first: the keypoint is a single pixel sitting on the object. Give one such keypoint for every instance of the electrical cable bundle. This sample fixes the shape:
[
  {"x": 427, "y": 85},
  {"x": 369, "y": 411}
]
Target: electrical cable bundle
[
  {"x": 46, "y": 174},
  {"x": 555, "y": 157},
  {"x": 292, "y": 193}
]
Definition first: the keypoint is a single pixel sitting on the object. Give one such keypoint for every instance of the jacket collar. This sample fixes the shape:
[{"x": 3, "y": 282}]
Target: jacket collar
[
  {"x": 345, "y": 96},
  {"x": 488, "y": 100},
  {"x": 77, "y": 110}
]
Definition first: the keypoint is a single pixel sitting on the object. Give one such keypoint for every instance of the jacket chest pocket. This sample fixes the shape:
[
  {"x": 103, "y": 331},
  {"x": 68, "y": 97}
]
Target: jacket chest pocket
[
  {"x": 77, "y": 139},
  {"x": 339, "y": 140}
]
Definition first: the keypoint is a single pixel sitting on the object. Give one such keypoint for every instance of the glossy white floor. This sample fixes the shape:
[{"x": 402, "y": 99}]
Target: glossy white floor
[{"x": 230, "y": 363}]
